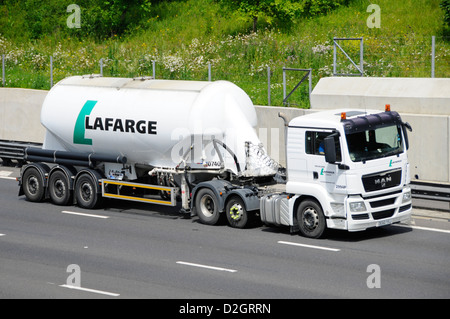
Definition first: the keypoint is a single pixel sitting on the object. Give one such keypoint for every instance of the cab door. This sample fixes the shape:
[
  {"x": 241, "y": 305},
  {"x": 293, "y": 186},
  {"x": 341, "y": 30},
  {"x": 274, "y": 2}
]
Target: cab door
[{"x": 319, "y": 171}]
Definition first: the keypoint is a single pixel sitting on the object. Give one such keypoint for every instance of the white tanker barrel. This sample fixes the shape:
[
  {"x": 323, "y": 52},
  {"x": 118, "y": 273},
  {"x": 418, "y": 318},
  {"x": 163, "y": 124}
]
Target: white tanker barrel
[{"x": 155, "y": 122}]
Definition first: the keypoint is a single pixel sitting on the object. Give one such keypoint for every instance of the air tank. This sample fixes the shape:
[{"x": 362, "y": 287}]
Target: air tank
[{"x": 158, "y": 123}]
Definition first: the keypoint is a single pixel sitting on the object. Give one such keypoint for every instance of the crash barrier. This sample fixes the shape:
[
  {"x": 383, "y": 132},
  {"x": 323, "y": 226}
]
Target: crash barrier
[{"x": 429, "y": 152}]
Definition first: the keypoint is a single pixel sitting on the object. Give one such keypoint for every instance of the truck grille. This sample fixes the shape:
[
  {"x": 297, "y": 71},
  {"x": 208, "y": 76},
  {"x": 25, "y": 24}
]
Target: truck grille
[
  {"x": 383, "y": 180},
  {"x": 360, "y": 216},
  {"x": 383, "y": 214},
  {"x": 384, "y": 202}
]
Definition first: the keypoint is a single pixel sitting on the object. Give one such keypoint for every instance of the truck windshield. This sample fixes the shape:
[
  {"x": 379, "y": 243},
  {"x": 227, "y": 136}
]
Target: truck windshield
[{"x": 376, "y": 143}]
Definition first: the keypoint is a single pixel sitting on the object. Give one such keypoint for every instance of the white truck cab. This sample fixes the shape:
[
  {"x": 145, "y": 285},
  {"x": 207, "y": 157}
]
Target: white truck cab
[{"x": 349, "y": 169}]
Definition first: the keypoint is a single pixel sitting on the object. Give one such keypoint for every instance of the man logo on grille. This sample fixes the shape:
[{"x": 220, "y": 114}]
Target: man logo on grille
[{"x": 382, "y": 181}]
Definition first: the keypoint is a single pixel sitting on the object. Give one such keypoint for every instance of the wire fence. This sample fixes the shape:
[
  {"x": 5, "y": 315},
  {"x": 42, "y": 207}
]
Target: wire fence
[{"x": 264, "y": 79}]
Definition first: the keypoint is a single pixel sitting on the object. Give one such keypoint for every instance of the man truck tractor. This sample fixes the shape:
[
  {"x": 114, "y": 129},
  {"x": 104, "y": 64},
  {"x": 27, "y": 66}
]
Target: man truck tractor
[{"x": 194, "y": 143}]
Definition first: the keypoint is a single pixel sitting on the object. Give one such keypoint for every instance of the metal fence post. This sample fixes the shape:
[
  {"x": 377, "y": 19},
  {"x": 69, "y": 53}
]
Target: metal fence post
[
  {"x": 433, "y": 51},
  {"x": 361, "y": 56},
  {"x": 51, "y": 71},
  {"x": 268, "y": 85},
  {"x": 209, "y": 71},
  {"x": 3, "y": 70},
  {"x": 334, "y": 56},
  {"x": 153, "y": 67},
  {"x": 310, "y": 84},
  {"x": 101, "y": 67},
  {"x": 284, "y": 83}
]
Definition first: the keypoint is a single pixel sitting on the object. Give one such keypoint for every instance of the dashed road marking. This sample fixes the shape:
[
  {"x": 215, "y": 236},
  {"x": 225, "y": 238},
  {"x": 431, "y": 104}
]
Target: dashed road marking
[
  {"x": 91, "y": 290},
  {"x": 84, "y": 214},
  {"x": 307, "y": 246},
  {"x": 205, "y": 266},
  {"x": 425, "y": 228}
]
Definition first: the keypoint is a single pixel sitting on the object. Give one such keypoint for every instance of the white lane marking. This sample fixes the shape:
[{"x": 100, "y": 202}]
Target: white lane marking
[
  {"x": 83, "y": 214},
  {"x": 205, "y": 266},
  {"x": 6, "y": 175},
  {"x": 425, "y": 228},
  {"x": 2, "y": 235},
  {"x": 91, "y": 290},
  {"x": 307, "y": 246}
]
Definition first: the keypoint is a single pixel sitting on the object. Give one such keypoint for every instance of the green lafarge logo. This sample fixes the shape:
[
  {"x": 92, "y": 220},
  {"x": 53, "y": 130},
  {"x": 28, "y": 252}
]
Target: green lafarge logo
[
  {"x": 111, "y": 124},
  {"x": 80, "y": 129}
]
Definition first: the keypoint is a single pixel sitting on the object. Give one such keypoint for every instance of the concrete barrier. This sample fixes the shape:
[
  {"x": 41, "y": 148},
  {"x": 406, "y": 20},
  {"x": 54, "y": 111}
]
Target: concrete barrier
[
  {"x": 429, "y": 152},
  {"x": 423, "y": 102},
  {"x": 271, "y": 130},
  {"x": 20, "y": 113},
  {"x": 429, "y": 96}
]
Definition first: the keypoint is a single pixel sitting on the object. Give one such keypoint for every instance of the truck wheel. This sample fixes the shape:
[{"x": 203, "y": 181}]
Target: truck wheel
[
  {"x": 311, "y": 220},
  {"x": 237, "y": 215},
  {"x": 58, "y": 188},
  {"x": 207, "y": 206},
  {"x": 86, "y": 192},
  {"x": 32, "y": 184}
]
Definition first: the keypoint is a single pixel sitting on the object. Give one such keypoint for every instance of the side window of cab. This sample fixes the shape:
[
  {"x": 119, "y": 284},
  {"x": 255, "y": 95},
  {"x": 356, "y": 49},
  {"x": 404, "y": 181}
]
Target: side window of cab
[{"x": 314, "y": 144}]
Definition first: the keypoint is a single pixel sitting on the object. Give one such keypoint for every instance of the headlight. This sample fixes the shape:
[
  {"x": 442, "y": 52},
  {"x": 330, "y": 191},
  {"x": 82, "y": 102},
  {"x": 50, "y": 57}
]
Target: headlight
[
  {"x": 406, "y": 197},
  {"x": 357, "y": 207}
]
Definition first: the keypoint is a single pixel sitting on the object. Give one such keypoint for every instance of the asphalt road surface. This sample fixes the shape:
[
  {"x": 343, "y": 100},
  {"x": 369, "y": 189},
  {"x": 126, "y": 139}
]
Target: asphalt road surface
[{"x": 126, "y": 250}]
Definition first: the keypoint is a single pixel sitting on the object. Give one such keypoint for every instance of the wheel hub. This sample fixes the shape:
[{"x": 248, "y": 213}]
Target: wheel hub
[
  {"x": 60, "y": 188},
  {"x": 207, "y": 205},
  {"x": 86, "y": 191},
  {"x": 33, "y": 185},
  {"x": 236, "y": 212},
  {"x": 310, "y": 218}
]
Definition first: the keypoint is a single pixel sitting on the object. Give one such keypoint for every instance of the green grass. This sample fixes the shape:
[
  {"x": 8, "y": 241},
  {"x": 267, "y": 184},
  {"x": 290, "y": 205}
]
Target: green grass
[{"x": 184, "y": 36}]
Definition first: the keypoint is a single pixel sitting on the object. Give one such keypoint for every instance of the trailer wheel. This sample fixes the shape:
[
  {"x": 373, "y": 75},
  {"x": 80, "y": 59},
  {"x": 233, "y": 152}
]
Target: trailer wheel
[
  {"x": 237, "y": 215},
  {"x": 311, "y": 220},
  {"x": 207, "y": 207},
  {"x": 58, "y": 188},
  {"x": 86, "y": 192},
  {"x": 32, "y": 184}
]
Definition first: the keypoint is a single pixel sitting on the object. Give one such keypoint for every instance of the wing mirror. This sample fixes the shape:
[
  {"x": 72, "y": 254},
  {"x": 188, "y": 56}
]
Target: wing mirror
[{"x": 330, "y": 149}]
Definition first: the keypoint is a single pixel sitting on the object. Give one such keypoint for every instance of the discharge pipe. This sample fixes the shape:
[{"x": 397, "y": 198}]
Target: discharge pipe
[{"x": 33, "y": 154}]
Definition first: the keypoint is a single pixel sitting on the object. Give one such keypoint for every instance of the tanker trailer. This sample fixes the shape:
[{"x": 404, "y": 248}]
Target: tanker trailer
[{"x": 142, "y": 140}]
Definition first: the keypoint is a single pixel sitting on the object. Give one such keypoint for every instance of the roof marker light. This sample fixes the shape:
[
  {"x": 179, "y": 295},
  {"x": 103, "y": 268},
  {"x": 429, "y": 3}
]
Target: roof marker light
[
  {"x": 343, "y": 116},
  {"x": 387, "y": 108}
]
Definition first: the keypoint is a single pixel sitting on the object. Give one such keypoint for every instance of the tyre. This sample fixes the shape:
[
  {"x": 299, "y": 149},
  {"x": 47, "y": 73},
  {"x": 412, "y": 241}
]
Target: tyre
[
  {"x": 58, "y": 188},
  {"x": 237, "y": 215},
  {"x": 33, "y": 185},
  {"x": 86, "y": 192},
  {"x": 311, "y": 220},
  {"x": 207, "y": 207}
]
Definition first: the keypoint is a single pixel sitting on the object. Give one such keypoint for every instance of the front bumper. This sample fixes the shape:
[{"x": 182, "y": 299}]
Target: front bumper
[{"x": 380, "y": 211}]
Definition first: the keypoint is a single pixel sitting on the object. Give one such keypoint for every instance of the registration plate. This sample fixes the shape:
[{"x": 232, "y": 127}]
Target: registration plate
[{"x": 384, "y": 222}]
